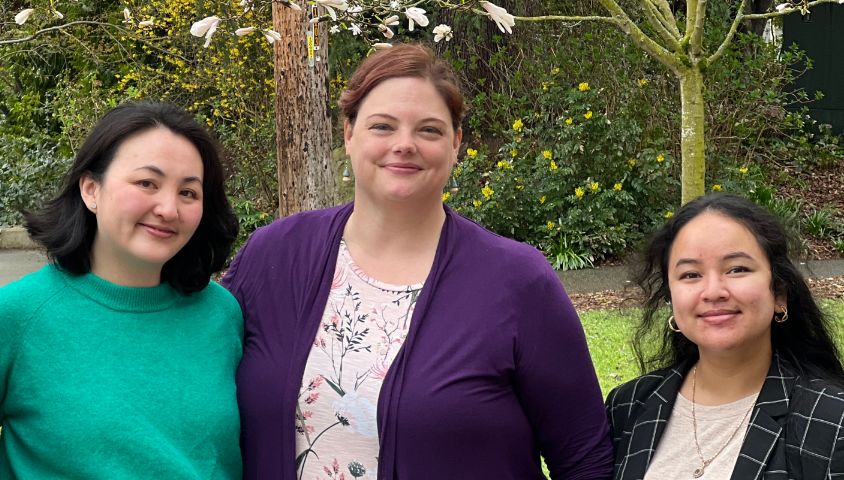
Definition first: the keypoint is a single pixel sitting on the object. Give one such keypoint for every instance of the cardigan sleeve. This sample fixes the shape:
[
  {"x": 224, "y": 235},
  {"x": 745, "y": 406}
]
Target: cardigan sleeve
[{"x": 557, "y": 385}]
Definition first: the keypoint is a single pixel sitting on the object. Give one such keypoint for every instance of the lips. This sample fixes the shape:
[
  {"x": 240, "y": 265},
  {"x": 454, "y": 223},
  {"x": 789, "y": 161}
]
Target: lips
[
  {"x": 402, "y": 168},
  {"x": 158, "y": 231},
  {"x": 719, "y": 316}
]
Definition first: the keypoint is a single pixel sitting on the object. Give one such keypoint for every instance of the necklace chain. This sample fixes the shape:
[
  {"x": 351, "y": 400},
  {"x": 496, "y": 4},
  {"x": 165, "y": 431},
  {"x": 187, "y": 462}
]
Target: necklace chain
[{"x": 705, "y": 463}]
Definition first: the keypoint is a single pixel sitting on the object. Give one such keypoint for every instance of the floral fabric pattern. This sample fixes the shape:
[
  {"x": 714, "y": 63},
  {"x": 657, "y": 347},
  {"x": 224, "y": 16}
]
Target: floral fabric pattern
[{"x": 364, "y": 325}]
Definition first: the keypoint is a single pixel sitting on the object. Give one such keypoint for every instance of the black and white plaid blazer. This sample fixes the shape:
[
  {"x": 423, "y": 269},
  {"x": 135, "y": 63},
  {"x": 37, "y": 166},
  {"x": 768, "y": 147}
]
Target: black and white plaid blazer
[{"x": 796, "y": 428}]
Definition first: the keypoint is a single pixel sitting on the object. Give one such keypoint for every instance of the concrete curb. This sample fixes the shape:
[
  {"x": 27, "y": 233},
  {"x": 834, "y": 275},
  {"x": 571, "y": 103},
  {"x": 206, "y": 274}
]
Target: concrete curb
[{"x": 16, "y": 238}]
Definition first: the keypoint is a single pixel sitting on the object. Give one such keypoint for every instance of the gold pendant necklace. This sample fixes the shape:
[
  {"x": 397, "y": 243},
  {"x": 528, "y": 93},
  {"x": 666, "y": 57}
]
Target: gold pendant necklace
[{"x": 704, "y": 462}]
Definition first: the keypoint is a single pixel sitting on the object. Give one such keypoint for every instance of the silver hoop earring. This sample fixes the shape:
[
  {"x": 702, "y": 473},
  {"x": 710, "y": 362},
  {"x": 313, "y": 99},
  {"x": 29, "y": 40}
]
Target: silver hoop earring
[{"x": 675, "y": 323}]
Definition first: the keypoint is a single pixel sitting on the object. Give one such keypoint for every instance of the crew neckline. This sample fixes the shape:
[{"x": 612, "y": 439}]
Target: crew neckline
[
  {"x": 347, "y": 258},
  {"x": 124, "y": 299}
]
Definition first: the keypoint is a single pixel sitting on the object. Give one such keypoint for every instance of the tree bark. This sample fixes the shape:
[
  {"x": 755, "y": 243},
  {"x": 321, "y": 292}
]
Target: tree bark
[
  {"x": 303, "y": 114},
  {"x": 692, "y": 142}
]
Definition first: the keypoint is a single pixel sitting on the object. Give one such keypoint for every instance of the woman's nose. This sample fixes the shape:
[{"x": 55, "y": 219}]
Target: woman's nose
[{"x": 405, "y": 142}]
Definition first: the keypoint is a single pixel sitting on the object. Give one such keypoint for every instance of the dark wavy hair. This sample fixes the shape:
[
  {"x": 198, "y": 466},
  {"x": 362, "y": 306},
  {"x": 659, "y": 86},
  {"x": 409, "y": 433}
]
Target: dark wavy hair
[
  {"x": 66, "y": 228},
  {"x": 804, "y": 340}
]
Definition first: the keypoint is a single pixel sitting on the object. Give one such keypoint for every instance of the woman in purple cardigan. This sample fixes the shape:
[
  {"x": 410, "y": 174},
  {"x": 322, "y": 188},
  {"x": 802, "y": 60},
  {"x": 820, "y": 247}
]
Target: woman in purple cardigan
[{"x": 394, "y": 339}]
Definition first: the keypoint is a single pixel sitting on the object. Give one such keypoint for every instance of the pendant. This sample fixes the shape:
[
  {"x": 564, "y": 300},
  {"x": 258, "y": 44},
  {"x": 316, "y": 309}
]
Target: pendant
[{"x": 698, "y": 472}]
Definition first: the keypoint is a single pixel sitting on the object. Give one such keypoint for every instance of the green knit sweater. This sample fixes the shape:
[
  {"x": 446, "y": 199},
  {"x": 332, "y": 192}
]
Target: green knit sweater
[{"x": 99, "y": 381}]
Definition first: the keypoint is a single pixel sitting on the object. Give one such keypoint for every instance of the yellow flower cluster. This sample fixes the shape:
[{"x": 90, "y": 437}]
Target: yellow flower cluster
[
  {"x": 471, "y": 153},
  {"x": 716, "y": 188},
  {"x": 547, "y": 154},
  {"x": 555, "y": 71},
  {"x": 477, "y": 203},
  {"x": 514, "y": 152},
  {"x": 504, "y": 165},
  {"x": 743, "y": 170},
  {"x": 660, "y": 158},
  {"x": 594, "y": 186},
  {"x": 588, "y": 114},
  {"x": 617, "y": 186},
  {"x": 550, "y": 225},
  {"x": 569, "y": 121},
  {"x": 579, "y": 192},
  {"x": 643, "y": 82},
  {"x": 669, "y": 214},
  {"x": 583, "y": 86},
  {"x": 517, "y": 125},
  {"x": 487, "y": 192},
  {"x": 552, "y": 167},
  {"x": 542, "y": 199},
  {"x": 446, "y": 196},
  {"x": 632, "y": 162}
]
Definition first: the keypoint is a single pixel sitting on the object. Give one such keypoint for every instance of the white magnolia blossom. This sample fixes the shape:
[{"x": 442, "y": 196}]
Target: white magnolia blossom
[
  {"x": 330, "y": 5},
  {"x": 58, "y": 14},
  {"x": 355, "y": 29},
  {"x": 442, "y": 32},
  {"x": 334, "y": 29},
  {"x": 293, "y": 6},
  {"x": 395, "y": 5},
  {"x": 500, "y": 16},
  {"x": 23, "y": 16},
  {"x": 244, "y": 31},
  {"x": 246, "y": 5},
  {"x": 201, "y": 27},
  {"x": 272, "y": 36},
  {"x": 127, "y": 15},
  {"x": 355, "y": 10},
  {"x": 416, "y": 14},
  {"x": 385, "y": 30},
  {"x": 783, "y": 6},
  {"x": 147, "y": 23},
  {"x": 314, "y": 20},
  {"x": 381, "y": 46}
]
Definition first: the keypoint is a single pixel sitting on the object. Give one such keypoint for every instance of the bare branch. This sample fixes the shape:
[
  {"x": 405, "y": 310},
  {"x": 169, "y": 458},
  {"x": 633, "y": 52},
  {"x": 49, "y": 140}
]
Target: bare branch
[
  {"x": 727, "y": 41},
  {"x": 58, "y": 28},
  {"x": 563, "y": 18},
  {"x": 691, "y": 19},
  {"x": 696, "y": 43},
  {"x": 670, "y": 60},
  {"x": 668, "y": 16},
  {"x": 787, "y": 11},
  {"x": 654, "y": 18}
]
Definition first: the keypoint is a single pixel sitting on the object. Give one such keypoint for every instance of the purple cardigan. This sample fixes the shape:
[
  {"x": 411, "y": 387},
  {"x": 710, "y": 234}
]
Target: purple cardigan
[{"x": 494, "y": 372}]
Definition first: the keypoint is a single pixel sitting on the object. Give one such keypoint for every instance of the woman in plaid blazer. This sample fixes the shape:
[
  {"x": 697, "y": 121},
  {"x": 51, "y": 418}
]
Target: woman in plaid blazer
[{"x": 743, "y": 329}]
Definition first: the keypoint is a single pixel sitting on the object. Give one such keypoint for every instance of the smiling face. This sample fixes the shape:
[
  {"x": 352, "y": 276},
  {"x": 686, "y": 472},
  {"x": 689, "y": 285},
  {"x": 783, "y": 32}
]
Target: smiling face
[
  {"x": 149, "y": 203},
  {"x": 402, "y": 144},
  {"x": 720, "y": 282}
]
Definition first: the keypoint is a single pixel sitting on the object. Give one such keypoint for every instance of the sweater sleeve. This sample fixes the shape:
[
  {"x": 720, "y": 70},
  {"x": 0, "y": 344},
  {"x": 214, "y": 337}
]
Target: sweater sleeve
[{"x": 557, "y": 385}]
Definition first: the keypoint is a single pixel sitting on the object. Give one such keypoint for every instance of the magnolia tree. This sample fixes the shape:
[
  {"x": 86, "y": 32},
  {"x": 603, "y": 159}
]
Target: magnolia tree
[{"x": 674, "y": 38}]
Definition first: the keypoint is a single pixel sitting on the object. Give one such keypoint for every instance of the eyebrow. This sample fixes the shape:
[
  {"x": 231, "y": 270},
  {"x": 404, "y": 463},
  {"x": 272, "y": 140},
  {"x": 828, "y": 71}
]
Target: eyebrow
[
  {"x": 157, "y": 171},
  {"x": 429, "y": 119},
  {"x": 729, "y": 256}
]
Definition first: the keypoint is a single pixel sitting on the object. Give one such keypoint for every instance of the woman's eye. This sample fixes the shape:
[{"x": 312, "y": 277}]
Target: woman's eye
[
  {"x": 739, "y": 270},
  {"x": 189, "y": 194},
  {"x": 146, "y": 183},
  {"x": 688, "y": 275},
  {"x": 380, "y": 127},
  {"x": 433, "y": 130}
]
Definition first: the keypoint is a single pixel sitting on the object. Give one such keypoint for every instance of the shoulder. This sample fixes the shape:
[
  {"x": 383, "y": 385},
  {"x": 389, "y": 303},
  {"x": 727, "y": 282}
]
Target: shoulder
[
  {"x": 32, "y": 291},
  {"x": 519, "y": 261},
  {"x": 818, "y": 398},
  {"x": 215, "y": 296},
  {"x": 299, "y": 226},
  {"x": 637, "y": 391}
]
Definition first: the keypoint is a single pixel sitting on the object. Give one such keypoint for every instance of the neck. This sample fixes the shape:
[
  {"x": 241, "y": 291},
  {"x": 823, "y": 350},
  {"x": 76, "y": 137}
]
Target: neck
[
  {"x": 119, "y": 273},
  {"x": 401, "y": 229},
  {"x": 727, "y": 377}
]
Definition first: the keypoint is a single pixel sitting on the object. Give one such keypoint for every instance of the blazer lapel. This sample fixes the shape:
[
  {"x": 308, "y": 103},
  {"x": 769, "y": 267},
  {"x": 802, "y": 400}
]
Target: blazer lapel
[
  {"x": 648, "y": 428},
  {"x": 765, "y": 426}
]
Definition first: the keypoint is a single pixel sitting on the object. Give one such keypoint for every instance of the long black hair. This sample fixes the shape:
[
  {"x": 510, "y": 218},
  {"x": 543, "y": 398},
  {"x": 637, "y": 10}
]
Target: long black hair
[
  {"x": 66, "y": 228},
  {"x": 804, "y": 340}
]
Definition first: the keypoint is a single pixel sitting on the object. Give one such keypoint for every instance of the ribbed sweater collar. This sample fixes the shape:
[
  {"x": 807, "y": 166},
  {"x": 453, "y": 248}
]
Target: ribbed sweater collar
[{"x": 124, "y": 299}]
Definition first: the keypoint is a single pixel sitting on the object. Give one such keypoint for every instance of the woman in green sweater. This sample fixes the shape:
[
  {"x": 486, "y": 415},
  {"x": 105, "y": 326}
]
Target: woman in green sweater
[{"x": 117, "y": 361}]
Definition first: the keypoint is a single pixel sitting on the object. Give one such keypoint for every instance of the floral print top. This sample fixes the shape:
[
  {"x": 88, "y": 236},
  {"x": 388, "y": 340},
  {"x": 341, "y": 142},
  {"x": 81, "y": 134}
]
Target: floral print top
[{"x": 364, "y": 325}]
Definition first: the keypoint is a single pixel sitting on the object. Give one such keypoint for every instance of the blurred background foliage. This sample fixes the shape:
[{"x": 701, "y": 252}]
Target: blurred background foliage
[{"x": 570, "y": 143}]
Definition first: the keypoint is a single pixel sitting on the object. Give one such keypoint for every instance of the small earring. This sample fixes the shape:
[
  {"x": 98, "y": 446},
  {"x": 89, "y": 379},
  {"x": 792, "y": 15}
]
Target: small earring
[
  {"x": 784, "y": 316},
  {"x": 93, "y": 206},
  {"x": 675, "y": 323}
]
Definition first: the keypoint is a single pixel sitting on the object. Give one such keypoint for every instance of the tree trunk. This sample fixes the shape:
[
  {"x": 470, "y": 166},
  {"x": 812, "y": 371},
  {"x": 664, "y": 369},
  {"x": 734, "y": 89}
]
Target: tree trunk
[
  {"x": 303, "y": 113},
  {"x": 692, "y": 136}
]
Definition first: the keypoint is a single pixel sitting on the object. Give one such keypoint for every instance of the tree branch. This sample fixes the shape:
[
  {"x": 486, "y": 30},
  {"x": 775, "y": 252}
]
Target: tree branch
[
  {"x": 672, "y": 61},
  {"x": 691, "y": 19},
  {"x": 668, "y": 15},
  {"x": 654, "y": 17},
  {"x": 696, "y": 43},
  {"x": 562, "y": 18},
  {"x": 760, "y": 16},
  {"x": 727, "y": 41}
]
